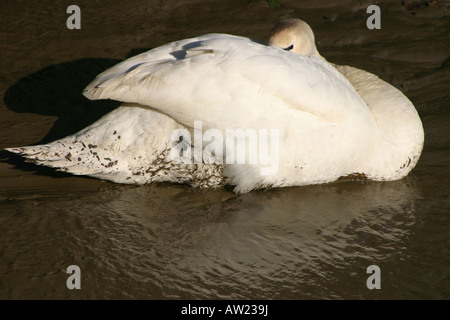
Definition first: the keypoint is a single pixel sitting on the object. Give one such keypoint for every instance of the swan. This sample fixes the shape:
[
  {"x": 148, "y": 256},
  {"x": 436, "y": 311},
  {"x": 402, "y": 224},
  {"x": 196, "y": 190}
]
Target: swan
[{"x": 329, "y": 121}]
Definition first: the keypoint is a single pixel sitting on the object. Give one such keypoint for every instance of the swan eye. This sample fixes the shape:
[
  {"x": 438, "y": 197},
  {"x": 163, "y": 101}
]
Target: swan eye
[{"x": 289, "y": 48}]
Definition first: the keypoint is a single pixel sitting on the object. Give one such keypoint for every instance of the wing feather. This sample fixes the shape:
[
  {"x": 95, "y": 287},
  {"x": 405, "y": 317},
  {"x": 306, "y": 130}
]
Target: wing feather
[{"x": 216, "y": 77}]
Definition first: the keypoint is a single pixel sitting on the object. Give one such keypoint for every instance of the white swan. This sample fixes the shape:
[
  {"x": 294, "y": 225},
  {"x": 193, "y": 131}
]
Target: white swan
[{"x": 331, "y": 123}]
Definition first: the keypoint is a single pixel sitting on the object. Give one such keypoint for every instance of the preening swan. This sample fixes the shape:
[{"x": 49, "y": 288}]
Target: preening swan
[{"x": 329, "y": 121}]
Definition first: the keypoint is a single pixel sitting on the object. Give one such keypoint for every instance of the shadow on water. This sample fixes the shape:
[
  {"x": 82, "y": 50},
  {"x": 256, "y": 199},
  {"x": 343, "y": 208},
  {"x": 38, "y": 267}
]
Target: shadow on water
[{"x": 57, "y": 91}]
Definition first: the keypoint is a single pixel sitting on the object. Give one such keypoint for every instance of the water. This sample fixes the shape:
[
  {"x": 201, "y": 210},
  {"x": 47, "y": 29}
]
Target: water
[{"x": 174, "y": 242}]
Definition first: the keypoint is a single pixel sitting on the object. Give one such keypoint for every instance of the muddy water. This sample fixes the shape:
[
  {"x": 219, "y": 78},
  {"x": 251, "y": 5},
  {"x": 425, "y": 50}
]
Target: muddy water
[{"x": 172, "y": 242}]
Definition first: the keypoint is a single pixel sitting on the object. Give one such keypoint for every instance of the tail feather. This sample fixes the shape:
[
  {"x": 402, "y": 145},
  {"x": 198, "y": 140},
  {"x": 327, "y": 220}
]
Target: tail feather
[
  {"x": 66, "y": 157},
  {"x": 130, "y": 145},
  {"x": 120, "y": 147}
]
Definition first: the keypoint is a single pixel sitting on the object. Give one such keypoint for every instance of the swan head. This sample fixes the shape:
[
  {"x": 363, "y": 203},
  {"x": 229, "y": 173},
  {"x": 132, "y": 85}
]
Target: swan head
[{"x": 294, "y": 35}]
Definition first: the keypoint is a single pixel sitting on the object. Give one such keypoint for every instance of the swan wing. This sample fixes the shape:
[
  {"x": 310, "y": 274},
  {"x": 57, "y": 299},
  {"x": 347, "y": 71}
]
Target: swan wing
[{"x": 227, "y": 82}]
